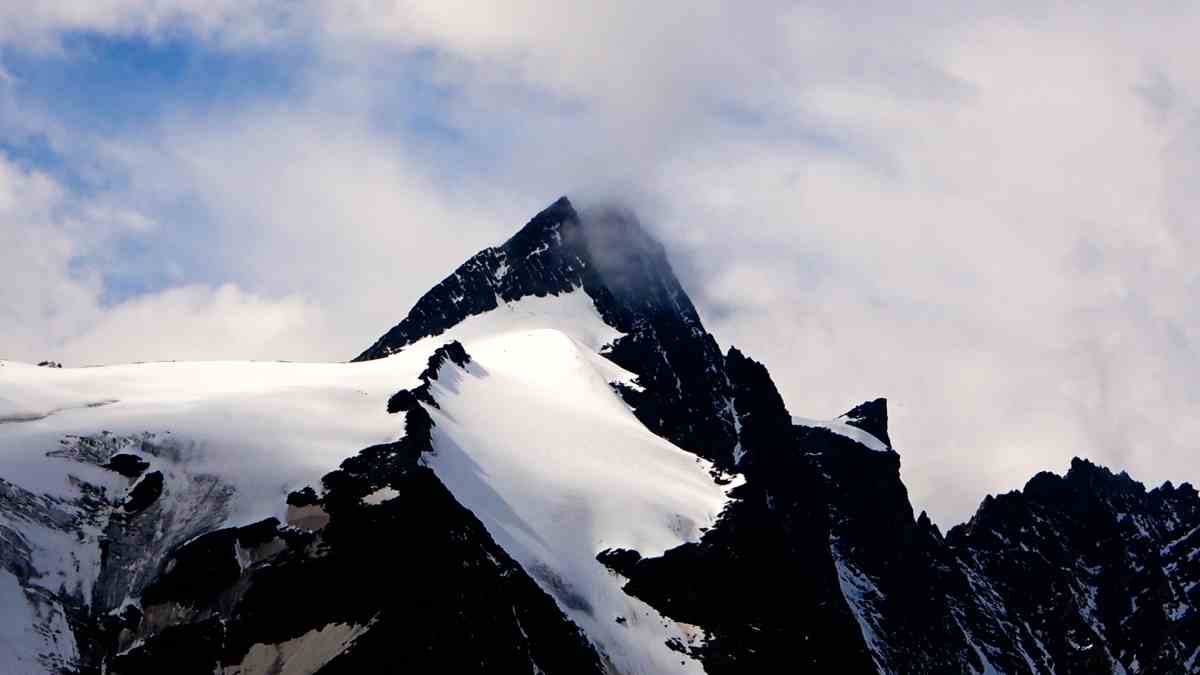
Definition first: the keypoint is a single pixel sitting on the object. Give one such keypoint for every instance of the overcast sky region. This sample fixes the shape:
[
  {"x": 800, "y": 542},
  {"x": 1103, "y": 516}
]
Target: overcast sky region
[{"x": 987, "y": 212}]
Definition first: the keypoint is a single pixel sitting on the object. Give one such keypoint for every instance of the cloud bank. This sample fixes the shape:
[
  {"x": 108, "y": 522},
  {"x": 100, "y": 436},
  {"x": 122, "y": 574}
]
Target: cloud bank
[{"x": 987, "y": 216}]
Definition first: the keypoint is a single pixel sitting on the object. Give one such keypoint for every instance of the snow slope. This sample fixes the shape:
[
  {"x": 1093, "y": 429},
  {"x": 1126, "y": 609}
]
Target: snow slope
[
  {"x": 589, "y": 477},
  {"x": 22, "y": 647},
  {"x": 531, "y": 438}
]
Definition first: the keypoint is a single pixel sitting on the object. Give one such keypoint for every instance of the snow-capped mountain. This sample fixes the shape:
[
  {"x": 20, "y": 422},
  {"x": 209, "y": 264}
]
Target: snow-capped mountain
[{"x": 548, "y": 466}]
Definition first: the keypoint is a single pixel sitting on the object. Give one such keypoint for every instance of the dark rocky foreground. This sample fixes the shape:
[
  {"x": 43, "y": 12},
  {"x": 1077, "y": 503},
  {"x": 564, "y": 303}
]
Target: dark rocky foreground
[{"x": 817, "y": 565}]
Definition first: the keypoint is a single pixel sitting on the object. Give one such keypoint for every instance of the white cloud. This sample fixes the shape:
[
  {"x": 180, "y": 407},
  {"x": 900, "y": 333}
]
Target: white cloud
[
  {"x": 987, "y": 216},
  {"x": 54, "y": 248},
  {"x": 303, "y": 199},
  {"x": 39, "y": 294},
  {"x": 1015, "y": 276},
  {"x": 201, "y": 323}
]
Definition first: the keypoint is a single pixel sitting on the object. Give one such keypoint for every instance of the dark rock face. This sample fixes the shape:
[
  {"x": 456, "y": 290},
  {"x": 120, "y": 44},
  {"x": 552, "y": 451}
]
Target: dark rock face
[
  {"x": 1100, "y": 571},
  {"x": 401, "y": 594},
  {"x": 130, "y": 466},
  {"x": 821, "y": 562},
  {"x": 887, "y": 561},
  {"x": 144, "y": 492},
  {"x": 762, "y": 582},
  {"x": 626, "y": 274}
]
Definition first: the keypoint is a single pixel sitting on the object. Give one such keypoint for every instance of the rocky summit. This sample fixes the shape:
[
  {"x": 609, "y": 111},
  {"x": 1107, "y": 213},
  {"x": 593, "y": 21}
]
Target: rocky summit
[{"x": 548, "y": 466}]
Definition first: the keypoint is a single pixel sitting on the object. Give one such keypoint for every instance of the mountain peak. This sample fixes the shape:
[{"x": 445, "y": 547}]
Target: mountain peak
[
  {"x": 605, "y": 251},
  {"x": 1092, "y": 476},
  {"x": 545, "y": 225},
  {"x": 607, "y": 254},
  {"x": 871, "y": 417}
]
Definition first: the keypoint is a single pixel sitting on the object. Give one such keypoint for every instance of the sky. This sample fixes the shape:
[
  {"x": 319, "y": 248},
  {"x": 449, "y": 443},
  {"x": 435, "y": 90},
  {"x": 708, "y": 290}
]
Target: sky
[{"x": 987, "y": 213}]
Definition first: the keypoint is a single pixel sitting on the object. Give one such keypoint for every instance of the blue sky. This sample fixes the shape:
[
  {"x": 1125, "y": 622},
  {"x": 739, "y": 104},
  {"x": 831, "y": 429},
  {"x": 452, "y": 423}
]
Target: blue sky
[
  {"x": 988, "y": 217},
  {"x": 97, "y": 87},
  {"x": 111, "y": 85}
]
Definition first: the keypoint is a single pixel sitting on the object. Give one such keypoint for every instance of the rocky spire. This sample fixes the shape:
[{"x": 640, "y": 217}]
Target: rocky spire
[{"x": 871, "y": 417}]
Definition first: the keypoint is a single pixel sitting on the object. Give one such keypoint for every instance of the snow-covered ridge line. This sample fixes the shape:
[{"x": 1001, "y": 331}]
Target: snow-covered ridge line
[{"x": 843, "y": 429}]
